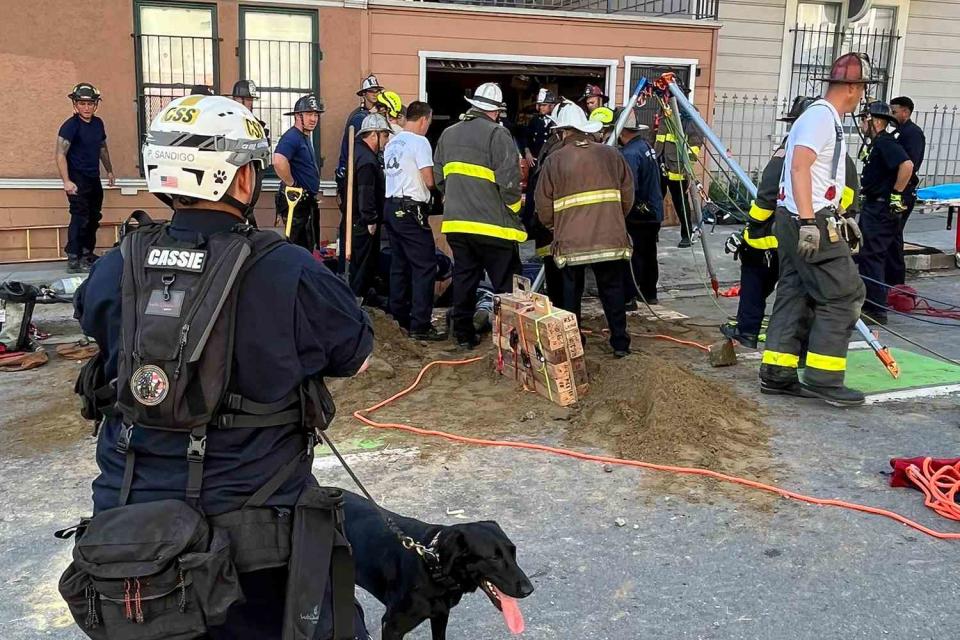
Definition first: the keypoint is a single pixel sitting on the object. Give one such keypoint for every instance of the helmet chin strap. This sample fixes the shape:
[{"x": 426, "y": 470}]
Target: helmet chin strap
[{"x": 247, "y": 209}]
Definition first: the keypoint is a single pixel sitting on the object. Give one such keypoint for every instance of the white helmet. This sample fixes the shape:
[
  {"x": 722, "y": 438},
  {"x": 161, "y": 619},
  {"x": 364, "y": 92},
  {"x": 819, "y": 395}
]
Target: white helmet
[
  {"x": 487, "y": 97},
  {"x": 571, "y": 116},
  {"x": 196, "y": 144},
  {"x": 374, "y": 122}
]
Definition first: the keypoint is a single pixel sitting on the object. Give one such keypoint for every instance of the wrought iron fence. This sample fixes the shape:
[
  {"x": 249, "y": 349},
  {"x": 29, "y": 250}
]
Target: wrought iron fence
[
  {"x": 749, "y": 127},
  {"x": 692, "y": 9},
  {"x": 283, "y": 70},
  {"x": 168, "y": 66},
  {"x": 815, "y": 47}
]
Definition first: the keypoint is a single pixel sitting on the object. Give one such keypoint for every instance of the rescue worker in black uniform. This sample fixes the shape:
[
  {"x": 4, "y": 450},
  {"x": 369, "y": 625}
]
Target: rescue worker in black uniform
[
  {"x": 819, "y": 293},
  {"x": 81, "y": 148},
  {"x": 211, "y": 421},
  {"x": 541, "y": 236},
  {"x": 539, "y": 127},
  {"x": 887, "y": 172},
  {"x": 368, "y": 201},
  {"x": 368, "y": 93},
  {"x": 643, "y": 222},
  {"x": 245, "y": 92},
  {"x": 295, "y": 162},
  {"x": 914, "y": 142}
]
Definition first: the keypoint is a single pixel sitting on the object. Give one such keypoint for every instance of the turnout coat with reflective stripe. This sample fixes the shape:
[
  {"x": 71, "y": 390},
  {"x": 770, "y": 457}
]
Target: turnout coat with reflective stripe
[
  {"x": 477, "y": 167},
  {"x": 584, "y": 193},
  {"x": 666, "y": 148}
]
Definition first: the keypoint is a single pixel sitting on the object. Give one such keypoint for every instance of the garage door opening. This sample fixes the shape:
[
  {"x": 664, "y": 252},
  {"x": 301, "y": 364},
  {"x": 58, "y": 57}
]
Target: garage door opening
[{"x": 448, "y": 81}]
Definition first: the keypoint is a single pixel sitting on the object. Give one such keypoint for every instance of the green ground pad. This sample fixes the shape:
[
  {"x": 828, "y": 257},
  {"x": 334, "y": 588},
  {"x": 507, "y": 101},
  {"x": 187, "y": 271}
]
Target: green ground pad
[
  {"x": 353, "y": 445},
  {"x": 866, "y": 373}
]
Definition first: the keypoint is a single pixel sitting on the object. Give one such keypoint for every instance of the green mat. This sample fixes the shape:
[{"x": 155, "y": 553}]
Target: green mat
[{"x": 866, "y": 373}]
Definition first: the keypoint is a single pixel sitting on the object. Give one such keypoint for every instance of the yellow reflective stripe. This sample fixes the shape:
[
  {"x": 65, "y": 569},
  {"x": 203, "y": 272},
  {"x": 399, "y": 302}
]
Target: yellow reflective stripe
[
  {"x": 515, "y": 207},
  {"x": 483, "y": 229},
  {"x": 763, "y": 243},
  {"x": 846, "y": 198},
  {"x": 661, "y": 137},
  {"x": 668, "y": 137},
  {"x": 826, "y": 363},
  {"x": 782, "y": 359},
  {"x": 675, "y": 176},
  {"x": 695, "y": 151},
  {"x": 758, "y": 213},
  {"x": 543, "y": 251},
  {"x": 585, "y": 198},
  {"x": 467, "y": 169}
]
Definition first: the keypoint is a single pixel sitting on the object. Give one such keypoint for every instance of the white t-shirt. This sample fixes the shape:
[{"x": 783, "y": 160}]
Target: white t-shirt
[
  {"x": 403, "y": 157},
  {"x": 816, "y": 129}
]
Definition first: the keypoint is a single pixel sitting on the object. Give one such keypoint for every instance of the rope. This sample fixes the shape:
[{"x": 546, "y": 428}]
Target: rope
[
  {"x": 939, "y": 487},
  {"x": 362, "y": 416}
]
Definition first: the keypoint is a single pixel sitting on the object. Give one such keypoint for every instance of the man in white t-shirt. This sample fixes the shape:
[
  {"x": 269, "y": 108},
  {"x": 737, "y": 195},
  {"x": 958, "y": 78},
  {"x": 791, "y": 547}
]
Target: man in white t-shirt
[
  {"x": 408, "y": 164},
  {"x": 819, "y": 293}
]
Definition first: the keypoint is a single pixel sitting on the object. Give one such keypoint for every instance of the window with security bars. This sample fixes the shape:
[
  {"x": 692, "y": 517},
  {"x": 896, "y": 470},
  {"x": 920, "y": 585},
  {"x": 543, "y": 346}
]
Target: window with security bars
[
  {"x": 818, "y": 39},
  {"x": 176, "y": 48},
  {"x": 280, "y": 53},
  {"x": 652, "y": 72}
]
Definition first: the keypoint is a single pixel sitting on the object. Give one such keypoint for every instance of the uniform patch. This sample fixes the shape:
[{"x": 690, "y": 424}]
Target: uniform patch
[
  {"x": 193, "y": 260},
  {"x": 169, "y": 306},
  {"x": 149, "y": 385}
]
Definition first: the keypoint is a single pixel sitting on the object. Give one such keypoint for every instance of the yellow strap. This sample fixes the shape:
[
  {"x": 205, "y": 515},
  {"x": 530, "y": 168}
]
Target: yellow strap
[
  {"x": 763, "y": 242},
  {"x": 543, "y": 365},
  {"x": 758, "y": 213},
  {"x": 483, "y": 229},
  {"x": 584, "y": 198},
  {"x": 846, "y": 198},
  {"x": 826, "y": 363},
  {"x": 695, "y": 151},
  {"x": 467, "y": 169},
  {"x": 782, "y": 359},
  {"x": 515, "y": 207}
]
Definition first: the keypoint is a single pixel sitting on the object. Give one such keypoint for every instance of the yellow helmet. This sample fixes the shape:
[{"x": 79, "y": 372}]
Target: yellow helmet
[
  {"x": 603, "y": 115},
  {"x": 392, "y": 102}
]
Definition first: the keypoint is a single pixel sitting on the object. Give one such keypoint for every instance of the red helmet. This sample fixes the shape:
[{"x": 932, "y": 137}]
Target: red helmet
[
  {"x": 593, "y": 91},
  {"x": 851, "y": 68}
]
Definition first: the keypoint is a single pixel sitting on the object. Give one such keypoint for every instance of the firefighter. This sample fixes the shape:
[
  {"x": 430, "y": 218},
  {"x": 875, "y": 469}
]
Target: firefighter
[
  {"x": 584, "y": 193},
  {"x": 81, "y": 149},
  {"x": 674, "y": 177},
  {"x": 887, "y": 172},
  {"x": 295, "y": 163},
  {"x": 245, "y": 92},
  {"x": 593, "y": 98},
  {"x": 539, "y": 127},
  {"x": 603, "y": 115},
  {"x": 232, "y": 441},
  {"x": 914, "y": 142},
  {"x": 477, "y": 168},
  {"x": 646, "y": 216},
  {"x": 391, "y": 107},
  {"x": 368, "y": 201},
  {"x": 819, "y": 294},
  {"x": 368, "y": 93}
]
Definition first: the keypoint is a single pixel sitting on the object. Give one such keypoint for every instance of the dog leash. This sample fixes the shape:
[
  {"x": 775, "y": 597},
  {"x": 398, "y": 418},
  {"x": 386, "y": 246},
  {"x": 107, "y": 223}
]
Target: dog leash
[{"x": 427, "y": 552}]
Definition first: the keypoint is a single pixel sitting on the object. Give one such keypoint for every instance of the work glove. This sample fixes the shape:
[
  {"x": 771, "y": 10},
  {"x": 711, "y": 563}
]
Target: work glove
[
  {"x": 734, "y": 244},
  {"x": 850, "y": 231},
  {"x": 808, "y": 243},
  {"x": 896, "y": 204}
]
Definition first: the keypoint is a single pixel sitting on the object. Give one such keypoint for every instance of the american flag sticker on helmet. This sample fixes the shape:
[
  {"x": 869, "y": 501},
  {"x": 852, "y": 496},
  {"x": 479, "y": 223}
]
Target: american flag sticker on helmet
[{"x": 168, "y": 181}]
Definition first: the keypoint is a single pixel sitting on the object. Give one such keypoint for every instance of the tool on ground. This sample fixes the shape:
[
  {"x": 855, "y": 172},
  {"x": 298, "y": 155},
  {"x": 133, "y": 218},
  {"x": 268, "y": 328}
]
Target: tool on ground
[
  {"x": 348, "y": 239},
  {"x": 292, "y": 195},
  {"x": 362, "y": 416},
  {"x": 722, "y": 353},
  {"x": 666, "y": 82}
]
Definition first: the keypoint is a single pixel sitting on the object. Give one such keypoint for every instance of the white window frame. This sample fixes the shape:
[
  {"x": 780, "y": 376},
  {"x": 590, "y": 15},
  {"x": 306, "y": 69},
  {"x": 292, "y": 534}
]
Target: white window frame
[
  {"x": 786, "y": 56},
  {"x": 610, "y": 64},
  {"x": 629, "y": 61}
]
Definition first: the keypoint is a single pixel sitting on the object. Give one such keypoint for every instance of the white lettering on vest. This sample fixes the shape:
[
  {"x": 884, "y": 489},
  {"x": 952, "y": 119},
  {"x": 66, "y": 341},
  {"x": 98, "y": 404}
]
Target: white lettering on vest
[{"x": 181, "y": 259}]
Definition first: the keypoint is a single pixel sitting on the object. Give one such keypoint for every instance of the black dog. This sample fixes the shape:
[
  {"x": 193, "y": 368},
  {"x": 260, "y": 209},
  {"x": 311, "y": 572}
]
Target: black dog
[{"x": 472, "y": 555}]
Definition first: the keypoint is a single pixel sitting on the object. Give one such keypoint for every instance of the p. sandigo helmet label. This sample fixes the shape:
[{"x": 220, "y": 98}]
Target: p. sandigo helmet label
[
  {"x": 149, "y": 385},
  {"x": 192, "y": 260}
]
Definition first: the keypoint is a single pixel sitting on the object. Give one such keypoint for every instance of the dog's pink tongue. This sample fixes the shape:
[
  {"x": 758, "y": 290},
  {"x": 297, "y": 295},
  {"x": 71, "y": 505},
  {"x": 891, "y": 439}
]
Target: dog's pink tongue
[{"x": 511, "y": 612}]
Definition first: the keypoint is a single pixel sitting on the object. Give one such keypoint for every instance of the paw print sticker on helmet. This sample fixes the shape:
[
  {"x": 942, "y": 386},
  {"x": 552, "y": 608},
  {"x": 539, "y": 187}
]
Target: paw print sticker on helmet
[{"x": 220, "y": 177}]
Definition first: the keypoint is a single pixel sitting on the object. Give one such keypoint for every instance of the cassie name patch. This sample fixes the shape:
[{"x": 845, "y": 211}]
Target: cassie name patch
[{"x": 182, "y": 259}]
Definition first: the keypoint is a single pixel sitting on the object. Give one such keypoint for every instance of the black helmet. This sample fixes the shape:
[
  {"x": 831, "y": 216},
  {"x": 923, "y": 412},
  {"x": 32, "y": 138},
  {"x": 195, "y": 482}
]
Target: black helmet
[
  {"x": 800, "y": 104},
  {"x": 244, "y": 89},
  {"x": 878, "y": 109},
  {"x": 84, "y": 91},
  {"x": 201, "y": 90},
  {"x": 306, "y": 104}
]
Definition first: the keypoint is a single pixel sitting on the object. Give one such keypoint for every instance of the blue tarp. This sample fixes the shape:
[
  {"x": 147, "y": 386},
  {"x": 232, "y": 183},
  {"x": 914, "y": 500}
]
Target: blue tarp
[{"x": 940, "y": 192}]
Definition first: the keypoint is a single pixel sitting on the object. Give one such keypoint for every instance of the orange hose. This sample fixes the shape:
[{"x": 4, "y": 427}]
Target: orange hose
[
  {"x": 658, "y": 336},
  {"x": 753, "y": 484},
  {"x": 940, "y": 487}
]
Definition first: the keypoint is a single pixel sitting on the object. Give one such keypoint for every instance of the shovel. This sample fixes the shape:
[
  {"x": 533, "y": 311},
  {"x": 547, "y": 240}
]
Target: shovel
[{"x": 293, "y": 195}]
